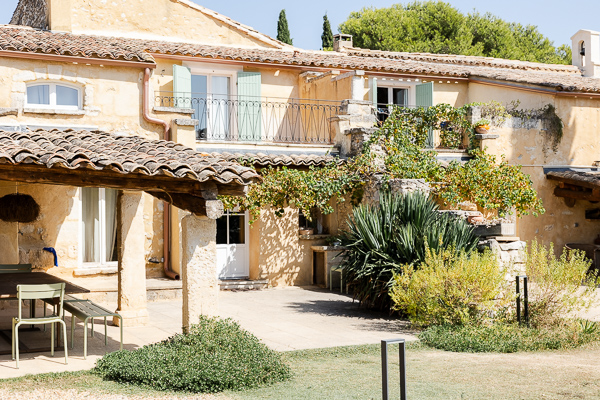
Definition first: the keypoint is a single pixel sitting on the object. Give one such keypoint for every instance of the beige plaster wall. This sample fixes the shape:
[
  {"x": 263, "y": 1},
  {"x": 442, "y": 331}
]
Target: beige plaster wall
[
  {"x": 276, "y": 251},
  {"x": 455, "y": 94},
  {"x": 330, "y": 86},
  {"x": 174, "y": 19}
]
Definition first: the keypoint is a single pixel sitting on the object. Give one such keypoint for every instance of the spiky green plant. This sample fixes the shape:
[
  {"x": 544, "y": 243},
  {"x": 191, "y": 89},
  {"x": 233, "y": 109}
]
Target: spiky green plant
[{"x": 397, "y": 231}]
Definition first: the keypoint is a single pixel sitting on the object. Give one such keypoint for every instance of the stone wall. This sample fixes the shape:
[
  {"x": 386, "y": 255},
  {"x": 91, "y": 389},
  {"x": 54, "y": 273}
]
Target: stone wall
[{"x": 509, "y": 253}]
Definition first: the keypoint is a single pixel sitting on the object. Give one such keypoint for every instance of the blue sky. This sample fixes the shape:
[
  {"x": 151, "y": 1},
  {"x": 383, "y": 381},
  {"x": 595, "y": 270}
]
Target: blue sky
[{"x": 557, "y": 19}]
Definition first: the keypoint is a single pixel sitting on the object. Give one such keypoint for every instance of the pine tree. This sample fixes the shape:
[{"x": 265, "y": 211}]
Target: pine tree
[
  {"x": 283, "y": 32},
  {"x": 327, "y": 36}
]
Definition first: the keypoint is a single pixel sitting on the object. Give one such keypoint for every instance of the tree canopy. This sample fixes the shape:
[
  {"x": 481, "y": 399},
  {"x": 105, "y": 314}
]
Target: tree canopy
[
  {"x": 327, "y": 36},
  {"x": 437, "y": 27},
  {"x": 283, "y": 32}
]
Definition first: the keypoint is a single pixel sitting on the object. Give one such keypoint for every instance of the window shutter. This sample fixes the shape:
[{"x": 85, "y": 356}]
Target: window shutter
[
  {"x": 373, "y": 92},
  {"x": 424, "y": 96},
  {"x": 182, "y": 86},
  {"x": 249, "y": 106}
]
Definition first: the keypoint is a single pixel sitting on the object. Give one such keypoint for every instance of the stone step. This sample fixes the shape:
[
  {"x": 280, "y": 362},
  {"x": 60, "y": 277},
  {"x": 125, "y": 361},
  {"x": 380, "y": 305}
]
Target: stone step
[{"x": 243, "y": 284}]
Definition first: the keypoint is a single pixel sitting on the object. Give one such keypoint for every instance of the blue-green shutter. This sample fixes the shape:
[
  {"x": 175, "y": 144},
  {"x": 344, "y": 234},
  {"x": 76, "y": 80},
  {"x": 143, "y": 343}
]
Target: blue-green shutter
[
  {"x": 182, "y": 86},
  {"x": 249, "y": 106},
  {"x": 424, "y": 96},
  {"x": 373, "y": 92}
]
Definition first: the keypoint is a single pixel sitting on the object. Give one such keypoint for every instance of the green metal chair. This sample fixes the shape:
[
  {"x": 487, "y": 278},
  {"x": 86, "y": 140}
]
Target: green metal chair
[{"x": 34, "y": 292}]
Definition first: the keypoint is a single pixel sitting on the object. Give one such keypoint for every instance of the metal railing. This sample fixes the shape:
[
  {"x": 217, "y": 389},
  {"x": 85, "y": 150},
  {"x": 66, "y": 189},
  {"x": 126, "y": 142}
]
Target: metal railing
[
  {"x": 434, "y": 140},
  {"x": 256, "y": 119}
]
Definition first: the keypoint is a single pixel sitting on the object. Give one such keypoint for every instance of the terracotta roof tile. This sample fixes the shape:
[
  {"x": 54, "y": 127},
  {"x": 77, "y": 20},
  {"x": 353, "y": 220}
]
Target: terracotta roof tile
[
  {"x": 559, "y": 77},
  {"x": 127, "y": 154},
  {"x": 263, "y": 160}
]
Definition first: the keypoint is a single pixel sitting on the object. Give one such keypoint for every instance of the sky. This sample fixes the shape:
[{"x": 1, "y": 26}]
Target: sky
[{"x": 557, "y": 19}]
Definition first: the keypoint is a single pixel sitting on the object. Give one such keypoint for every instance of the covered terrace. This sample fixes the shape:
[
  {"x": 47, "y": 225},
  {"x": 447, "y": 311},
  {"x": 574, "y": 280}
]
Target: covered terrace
[{"x": 134, "y": 165}]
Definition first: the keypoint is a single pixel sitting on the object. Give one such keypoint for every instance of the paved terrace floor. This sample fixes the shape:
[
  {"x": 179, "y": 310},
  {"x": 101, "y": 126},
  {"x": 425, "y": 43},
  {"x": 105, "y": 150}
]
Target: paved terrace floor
[{"x": 284, "y": 319}]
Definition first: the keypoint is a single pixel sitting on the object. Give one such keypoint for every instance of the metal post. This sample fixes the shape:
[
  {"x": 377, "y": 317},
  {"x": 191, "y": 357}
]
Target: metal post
[
  {"x": 384, "y": 367},
  {"x": 518, "y": 280},
  {"x": 525, "y": 299}
]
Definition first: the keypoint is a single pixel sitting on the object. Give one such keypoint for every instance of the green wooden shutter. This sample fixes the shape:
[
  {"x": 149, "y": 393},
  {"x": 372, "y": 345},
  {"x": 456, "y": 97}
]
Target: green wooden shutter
[
  {"x": 249, "y": 106},
  {"x": 373, "y": 92},
  {"x": 425, "y": 99},
  {"x": 182, "y": 86}
]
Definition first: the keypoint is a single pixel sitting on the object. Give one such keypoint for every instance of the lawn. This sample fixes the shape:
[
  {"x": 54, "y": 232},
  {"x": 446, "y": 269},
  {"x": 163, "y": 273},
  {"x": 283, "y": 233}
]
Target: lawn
[{"x": 354, "y": 373}]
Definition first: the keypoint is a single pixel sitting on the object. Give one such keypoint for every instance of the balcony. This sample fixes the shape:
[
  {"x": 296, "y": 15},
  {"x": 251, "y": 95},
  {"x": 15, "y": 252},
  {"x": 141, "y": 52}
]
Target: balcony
[{"x": 256, "y": 119}]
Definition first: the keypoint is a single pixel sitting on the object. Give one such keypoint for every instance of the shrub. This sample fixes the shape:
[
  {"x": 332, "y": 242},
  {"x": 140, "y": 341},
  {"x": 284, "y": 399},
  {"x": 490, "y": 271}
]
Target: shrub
[
  {"x": 559, "y": 286},
  {"x": 510, "y": 338},
  {"x": 383, "y": 237},
  {"x": 449, "y": 288},
  {"x": 216, "y": 355}
]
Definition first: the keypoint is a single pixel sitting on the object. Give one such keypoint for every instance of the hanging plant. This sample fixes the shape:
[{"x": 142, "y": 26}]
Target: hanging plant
[{"x": 19, "y": 208}]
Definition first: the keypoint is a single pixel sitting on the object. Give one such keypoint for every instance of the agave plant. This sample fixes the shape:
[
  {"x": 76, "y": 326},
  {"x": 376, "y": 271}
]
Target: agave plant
[{"x": 383, "y": 237}]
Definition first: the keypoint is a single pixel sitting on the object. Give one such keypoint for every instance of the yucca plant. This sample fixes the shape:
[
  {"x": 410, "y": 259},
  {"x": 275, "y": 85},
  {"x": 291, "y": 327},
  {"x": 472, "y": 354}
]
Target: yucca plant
[{"x": 383, "y": 237}]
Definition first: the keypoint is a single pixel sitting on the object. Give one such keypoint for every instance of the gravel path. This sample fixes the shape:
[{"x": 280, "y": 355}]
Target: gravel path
[{"x": 58, "y": 394}]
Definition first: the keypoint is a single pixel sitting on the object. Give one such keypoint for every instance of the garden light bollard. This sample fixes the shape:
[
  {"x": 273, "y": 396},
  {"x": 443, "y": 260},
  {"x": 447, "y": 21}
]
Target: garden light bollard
[
  {"x": 525, "y": 299},
  {"x": 384, "y": 367}
]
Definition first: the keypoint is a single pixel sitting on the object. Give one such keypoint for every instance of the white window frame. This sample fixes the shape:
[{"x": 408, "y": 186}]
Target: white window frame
[
  {"x": 400, "y": 83},
  {"x": 217, "y": 70},
  {"x": 102, "y": 216},
  {"x": 52, "y": 94}
]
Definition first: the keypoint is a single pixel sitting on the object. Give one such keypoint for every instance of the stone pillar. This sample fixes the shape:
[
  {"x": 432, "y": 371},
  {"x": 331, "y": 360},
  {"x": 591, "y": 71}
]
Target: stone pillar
[
  {"x": 358, "y": 86},
  {"x": 132, "y": 261},
  {"x": 199, "y": 268}
]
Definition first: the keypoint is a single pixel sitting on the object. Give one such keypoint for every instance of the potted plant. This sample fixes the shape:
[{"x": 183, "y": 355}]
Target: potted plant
[{"x": 482, "y": 126}]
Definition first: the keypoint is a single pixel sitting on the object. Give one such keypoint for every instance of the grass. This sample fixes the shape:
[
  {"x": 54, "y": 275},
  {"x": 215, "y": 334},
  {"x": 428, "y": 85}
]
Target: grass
[
  {"x": 509, "y": 338},
  {"x": 354, "y": 373}
]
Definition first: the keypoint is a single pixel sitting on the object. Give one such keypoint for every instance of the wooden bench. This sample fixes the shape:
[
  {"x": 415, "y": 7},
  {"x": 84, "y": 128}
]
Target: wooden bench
[{"x": 87, "y": 310}]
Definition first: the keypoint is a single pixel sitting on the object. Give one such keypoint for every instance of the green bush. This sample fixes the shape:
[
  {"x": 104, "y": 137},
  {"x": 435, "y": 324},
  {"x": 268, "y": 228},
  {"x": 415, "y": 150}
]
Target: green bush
[
  {"x": 216, "y": 355},
  {"x": 510, "y": 338},
  {"x": 397, "y": 231},
  {"x": 450, "y": 288},
  {"x": 560, "y": 286}
]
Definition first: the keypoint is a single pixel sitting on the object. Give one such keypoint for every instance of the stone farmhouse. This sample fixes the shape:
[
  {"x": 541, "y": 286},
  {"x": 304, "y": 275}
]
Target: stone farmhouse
[{"x": 121, "y": 118}]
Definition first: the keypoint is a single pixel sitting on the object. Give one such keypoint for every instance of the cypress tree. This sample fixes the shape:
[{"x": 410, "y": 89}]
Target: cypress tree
[
  {"x": 327, "y": 36},
  {"x": 283, "y": 32}
]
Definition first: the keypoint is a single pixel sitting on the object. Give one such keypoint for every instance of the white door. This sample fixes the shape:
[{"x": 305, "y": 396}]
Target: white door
[{"x": 232, "y": 246}]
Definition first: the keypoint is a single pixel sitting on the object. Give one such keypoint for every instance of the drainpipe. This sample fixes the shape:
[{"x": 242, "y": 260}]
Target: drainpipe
[{"x": 166, "y": 206}]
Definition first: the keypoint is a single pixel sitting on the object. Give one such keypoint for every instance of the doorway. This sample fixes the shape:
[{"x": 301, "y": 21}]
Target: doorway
[{"x": 232, "y": 246}]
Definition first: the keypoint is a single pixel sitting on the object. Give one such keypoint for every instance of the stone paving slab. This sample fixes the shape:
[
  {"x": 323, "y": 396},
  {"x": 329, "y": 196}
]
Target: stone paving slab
[{"x": 284, "y": 319}]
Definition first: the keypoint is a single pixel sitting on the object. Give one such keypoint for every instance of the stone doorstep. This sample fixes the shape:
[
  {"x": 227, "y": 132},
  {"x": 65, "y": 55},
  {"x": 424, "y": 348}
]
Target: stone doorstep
[{"x": 243, "y": 284}]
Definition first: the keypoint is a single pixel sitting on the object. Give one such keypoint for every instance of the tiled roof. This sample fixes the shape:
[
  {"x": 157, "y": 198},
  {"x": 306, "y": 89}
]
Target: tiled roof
[
  {"x": 559, "y": 77},
  {"x": 123, "y": 154},
  {"x": 263, "y": 160},
  {"x": 24, "y": 39}
]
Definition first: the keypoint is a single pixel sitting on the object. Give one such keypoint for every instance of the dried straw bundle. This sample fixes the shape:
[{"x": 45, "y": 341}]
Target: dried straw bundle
[{"x": 18, "y": 208}]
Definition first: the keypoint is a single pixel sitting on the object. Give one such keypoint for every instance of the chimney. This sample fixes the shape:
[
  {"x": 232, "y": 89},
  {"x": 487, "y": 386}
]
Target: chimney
[
  {"x": 585, "y": 46},
  {"x": 341, "y": 41}
]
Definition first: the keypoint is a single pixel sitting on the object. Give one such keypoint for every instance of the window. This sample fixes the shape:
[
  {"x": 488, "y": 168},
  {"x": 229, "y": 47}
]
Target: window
[
  {"x": 387, "y": 96},
  {"x": 53, "y": 95},
  {"x": 231, "y": 228},
  {"x": 99, "y": 225}
]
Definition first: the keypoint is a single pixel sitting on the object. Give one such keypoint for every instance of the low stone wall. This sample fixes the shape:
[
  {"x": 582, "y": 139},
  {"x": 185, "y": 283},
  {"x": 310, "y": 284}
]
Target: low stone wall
[
  {"x": 401, "y": 186},
  {"x": 509, "y": 253}
]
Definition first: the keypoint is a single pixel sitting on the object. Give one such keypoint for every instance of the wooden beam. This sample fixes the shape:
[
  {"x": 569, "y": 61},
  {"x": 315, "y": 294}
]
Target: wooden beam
[
  {"x": 574, "y": 178},
  {"x": 578, "y": 195},
  {"x": 113, "y": 179},
  {"x": 212, "y": 209}
]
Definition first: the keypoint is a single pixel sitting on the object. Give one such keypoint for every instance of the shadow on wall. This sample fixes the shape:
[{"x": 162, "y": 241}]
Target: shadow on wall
[
  {"x": 57, "y": 226},
  {"x": 281, "y": 260}
]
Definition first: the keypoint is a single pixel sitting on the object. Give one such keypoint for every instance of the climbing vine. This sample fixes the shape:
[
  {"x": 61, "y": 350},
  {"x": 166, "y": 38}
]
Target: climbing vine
[{"x": 396, "y": 151}]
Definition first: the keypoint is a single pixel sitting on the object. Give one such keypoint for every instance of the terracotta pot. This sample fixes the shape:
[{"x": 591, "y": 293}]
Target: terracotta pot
[
  {"x": 482, "y": 129},
  {"x": 475, "y": 219}
]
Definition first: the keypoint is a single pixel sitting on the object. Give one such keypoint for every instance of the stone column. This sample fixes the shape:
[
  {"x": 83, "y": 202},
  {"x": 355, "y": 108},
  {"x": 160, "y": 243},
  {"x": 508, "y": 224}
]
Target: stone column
[
  {"x": 132, "y": 261},
  {"x": 199, "y": 268}
]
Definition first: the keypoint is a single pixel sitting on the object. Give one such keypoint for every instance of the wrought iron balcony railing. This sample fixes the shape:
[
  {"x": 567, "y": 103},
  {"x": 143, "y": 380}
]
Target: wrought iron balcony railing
[{"x": 256, "y": 119}]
